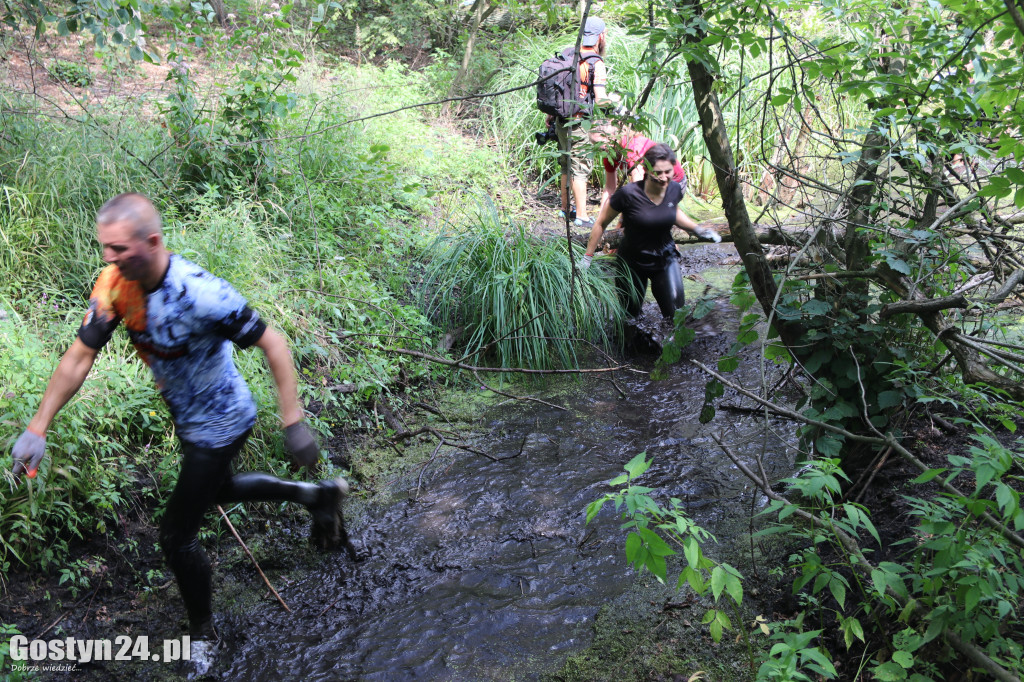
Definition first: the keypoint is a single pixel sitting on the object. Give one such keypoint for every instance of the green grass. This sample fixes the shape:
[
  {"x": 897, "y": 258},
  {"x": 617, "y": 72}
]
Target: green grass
[{"x": 513, "y": 293}]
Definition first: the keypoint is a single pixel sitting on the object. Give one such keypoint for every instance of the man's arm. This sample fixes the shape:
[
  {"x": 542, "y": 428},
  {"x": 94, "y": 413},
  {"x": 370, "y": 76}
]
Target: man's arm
[
  {"x": 279, "y": 358},
  {"x": 66, "y": 380},
  {"x": 298, "y": 438},
  {"x": 601, "y": 95}
]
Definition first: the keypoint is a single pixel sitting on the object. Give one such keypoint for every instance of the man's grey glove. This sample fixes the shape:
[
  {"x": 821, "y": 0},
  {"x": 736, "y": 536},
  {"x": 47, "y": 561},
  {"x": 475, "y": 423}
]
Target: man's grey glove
[
  {"x": 299, "y": 441},
  {"x": 28, "y": 453},
  {"x": 584, "y": 262},
  {"x": 708, "y": 233}
]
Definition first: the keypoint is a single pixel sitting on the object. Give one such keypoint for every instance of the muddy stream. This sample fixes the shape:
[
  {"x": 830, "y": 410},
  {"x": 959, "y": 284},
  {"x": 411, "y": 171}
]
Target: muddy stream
[{"x": 489, "y": 571}]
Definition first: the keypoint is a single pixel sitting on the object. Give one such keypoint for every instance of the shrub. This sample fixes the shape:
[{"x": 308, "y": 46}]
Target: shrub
[{"x": 71, "y": 73}]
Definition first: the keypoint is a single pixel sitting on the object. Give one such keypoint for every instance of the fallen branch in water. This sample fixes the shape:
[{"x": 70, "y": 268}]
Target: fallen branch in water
[
  {"x": 234, "y": 532},
  {"x": 502, "y": 370},
  {"x": 475, "y": 369},
  {"x": 402, "y": 433},
  {"x": 517, "y": 397}
]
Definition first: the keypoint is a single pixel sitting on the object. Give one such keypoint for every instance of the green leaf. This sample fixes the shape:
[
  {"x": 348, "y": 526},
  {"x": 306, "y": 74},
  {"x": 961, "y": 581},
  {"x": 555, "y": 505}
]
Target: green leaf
[
  {"x": 638, "y": 465},
  {"x": 852, "y": 628},
  {"x": 828, "y": 445},
  {"x": 887, "y": 399},
  {"x": 904, "y": 658},
  {"x": 734, "y": 587},
  {"x": 691, "y": 550},
  {"x": 594, "y": 507},
  {"x": 898, "y": 264},
  {"x": 619, "y": 480},
  {"x": 928, "y": 475},
  {"x": 1006, "y": 498},
  {"x": 694, "y": 579},
  {"x": 1016, "y": 175},
  {"x": 995, "y": 190},
  {"x": 972, "y": 598},
  {"x": 655, "y": 545},
  {"x": 838, "y": 591},
  {"x": 777, "y": 353},
  {"x": 889, "y": 672},
  {"x": 815, "y": 308},
  {"x": 728, "y": 363},
  {"x": 718, "y": 577},
  {"x": 634, "y": 545}
]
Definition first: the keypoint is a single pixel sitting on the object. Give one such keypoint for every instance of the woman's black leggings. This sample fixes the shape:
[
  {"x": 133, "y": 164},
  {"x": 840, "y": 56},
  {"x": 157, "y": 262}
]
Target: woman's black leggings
[
  {"x": 666, "y": 284},
  {"x": 206, "y": 479}
]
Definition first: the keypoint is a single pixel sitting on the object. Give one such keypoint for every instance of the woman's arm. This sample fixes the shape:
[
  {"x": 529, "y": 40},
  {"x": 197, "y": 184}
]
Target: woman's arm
[
  {"x": 686, "y": 222},
  {"x": 604, "y": 218},
  {"x": 611, "y": 183}
]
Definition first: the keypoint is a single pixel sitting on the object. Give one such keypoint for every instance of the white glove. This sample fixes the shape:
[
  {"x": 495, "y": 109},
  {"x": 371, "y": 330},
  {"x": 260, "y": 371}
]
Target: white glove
[
  {"x": 708, "y": 233},
  {"x": 584, "y": 262}
]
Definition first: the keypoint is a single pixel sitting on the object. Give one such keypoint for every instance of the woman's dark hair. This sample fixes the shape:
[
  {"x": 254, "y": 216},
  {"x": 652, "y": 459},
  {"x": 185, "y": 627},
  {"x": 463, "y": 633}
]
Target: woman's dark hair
[{"x": 659, "y": 152}]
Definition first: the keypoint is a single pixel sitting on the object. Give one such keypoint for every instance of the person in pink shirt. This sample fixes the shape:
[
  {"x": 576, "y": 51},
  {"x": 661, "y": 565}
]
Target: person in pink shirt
[{"x": 626, "y": 148}]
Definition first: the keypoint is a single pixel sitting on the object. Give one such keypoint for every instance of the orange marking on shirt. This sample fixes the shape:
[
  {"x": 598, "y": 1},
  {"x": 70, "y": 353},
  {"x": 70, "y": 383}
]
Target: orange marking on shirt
[{"x": 118, "y": 297}]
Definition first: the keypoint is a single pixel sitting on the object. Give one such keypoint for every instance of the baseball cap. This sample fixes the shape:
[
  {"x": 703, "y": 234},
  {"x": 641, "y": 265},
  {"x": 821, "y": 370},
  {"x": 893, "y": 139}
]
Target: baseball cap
[{"x": 593, "y": 28}]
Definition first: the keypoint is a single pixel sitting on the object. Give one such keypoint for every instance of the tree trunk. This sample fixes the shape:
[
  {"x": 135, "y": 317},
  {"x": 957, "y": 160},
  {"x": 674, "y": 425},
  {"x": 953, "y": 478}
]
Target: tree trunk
[
  {"x": 474, "y": 28},
  {"x": 218, "y": 10},
  {"x": 720, "y": 152}
]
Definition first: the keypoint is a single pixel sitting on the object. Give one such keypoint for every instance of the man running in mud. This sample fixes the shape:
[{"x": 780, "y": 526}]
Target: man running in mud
[{"x": 182, "y": 320}]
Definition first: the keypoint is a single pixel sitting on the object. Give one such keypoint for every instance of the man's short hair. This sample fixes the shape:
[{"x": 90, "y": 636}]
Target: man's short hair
[{"x": 135, "y": 209}]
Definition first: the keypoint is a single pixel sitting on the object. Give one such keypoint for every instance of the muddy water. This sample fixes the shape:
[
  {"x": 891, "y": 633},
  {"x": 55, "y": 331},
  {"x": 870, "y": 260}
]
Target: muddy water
[{"x": 488, "y": 572}]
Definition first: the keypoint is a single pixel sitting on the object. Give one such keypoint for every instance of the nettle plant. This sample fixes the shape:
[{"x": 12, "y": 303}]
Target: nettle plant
[
  {"x": 655, "y": 532},
  {"x": 71, "y": 73},
  {"x": 959, "y": 578}
]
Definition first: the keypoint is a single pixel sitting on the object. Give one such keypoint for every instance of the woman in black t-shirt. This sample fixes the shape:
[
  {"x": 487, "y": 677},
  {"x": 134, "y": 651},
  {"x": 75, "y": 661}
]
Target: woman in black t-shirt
[{"x": 649, "y": 208}]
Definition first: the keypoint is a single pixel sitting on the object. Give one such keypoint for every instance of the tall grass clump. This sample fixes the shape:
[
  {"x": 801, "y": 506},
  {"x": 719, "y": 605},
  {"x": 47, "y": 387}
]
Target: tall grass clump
[{"x": 511, "y": 291}]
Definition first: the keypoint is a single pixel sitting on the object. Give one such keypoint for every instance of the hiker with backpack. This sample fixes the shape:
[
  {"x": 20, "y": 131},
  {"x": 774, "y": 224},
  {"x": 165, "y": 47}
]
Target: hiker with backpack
[{"x": 568, "y": 110}]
